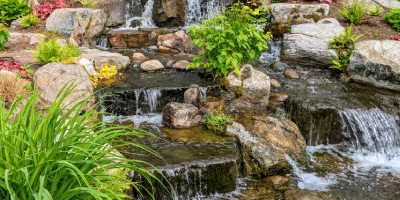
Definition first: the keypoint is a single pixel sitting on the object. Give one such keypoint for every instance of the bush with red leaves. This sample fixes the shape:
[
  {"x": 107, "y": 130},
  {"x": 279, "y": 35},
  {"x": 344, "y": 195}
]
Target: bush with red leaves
[
  {"x": 22, "y": 70},
  {"x": 44, "y": 9},
  {"x": 396, "y": 37}
]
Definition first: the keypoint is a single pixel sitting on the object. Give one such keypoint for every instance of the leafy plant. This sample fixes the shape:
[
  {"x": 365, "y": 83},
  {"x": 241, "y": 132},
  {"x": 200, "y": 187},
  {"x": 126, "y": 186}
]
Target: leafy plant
[
  {"x": 217, "y": 122},
  {"x": 65, "y": 153},
  {"x": 393, "y": 18},
  {"x": 230, "y": 40},
  {"x": 24, "y": 71},
  {"x": 52, "y": 51},
  {"x": 344, "y": 46},
  {"x": 45, "y": 8},
  {"x": 11, "y": 10},
  {"x": 4, "y": 36},
  {"x": 353, "y": 13},
  {"x": 88, "y": 3},
  {"x": 29, "y": 20},
  {"x": 11, "y": 86},
  {"x": 375, "y": 10}
]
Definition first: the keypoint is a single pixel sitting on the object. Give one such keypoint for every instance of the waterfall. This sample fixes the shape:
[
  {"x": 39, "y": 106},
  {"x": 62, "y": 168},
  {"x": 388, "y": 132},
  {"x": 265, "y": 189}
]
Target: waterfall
[
  {"x": 202, "y": 94},
  {"x": 197, "y": 10},
  {"x": 151, "y": 97},
  {"x": 138, "y": 18},
  {"x": 374, "y": 138},
  {"x": 102, "y": 43},
  {"x": 273, "y": 54}
]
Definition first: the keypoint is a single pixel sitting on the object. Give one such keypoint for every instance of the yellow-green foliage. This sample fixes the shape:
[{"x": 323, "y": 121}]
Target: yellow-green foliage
[
  {"x": 393, "y": 18},
  {"x": 353, "y": 13},
  {"x": 4, "y": 36},
  {"x": 230, "y": 40},
  {"x": 29, "y": 20},
  {"x": 217, "y": 122},
  {"x": 375, "y": 10},
  {"x": 88, "y": 3},
  {"x": 107, "y": 71},
  {"x": 52, "y": 51}
]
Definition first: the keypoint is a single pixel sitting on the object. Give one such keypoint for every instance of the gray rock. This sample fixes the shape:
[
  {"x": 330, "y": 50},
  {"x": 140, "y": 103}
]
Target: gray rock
[
  {"x": 115, "y": 10},
  {"x": 181, "y": 115},
  {"x": 52, "y": 77},
  {"x": 191, "y": 95},
  {"x": 268, "y": 140},
  {"x": 253, "y": 87},
  {"x": 376, "y": 63},
  {"x": 292, "y": 13},
  {"x": 104, "y": 57},
  {"x": 82, "y": 25},
  {"x": 152, "y": 65},
  {"x": 307, "y": 44},
  {"x": 25, "y": 39},
  {"x": 279, "y": 66},
  {"x": 329, "y": 21}
]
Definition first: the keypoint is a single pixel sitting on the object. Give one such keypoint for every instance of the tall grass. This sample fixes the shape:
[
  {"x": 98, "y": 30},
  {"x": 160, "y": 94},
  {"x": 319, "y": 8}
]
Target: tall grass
[{"x": 65, "y": 154}]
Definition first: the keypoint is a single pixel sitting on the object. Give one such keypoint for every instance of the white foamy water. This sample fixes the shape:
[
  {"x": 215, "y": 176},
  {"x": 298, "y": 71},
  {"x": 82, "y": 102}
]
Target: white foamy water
[
  {"x": 310, "y": 181},
  {"x": 145, "y": 20},
  {"x": 150, "y": 118}
]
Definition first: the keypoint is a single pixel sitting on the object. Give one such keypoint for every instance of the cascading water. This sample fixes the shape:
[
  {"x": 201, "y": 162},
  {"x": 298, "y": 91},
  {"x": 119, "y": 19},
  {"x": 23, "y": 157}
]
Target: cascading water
[
  {"x": 197, "y": 10},
  {"x": 374, "y": 138},
  {"x": 273, "y": 54},
  {"x": 102, "y": 43},
  {"x": 140, "y": 18}
]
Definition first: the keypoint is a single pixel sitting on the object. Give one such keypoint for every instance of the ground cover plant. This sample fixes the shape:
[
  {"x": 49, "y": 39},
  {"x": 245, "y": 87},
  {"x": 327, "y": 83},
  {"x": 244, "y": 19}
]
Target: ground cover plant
[
  {"x": 393, "y": 18},
  {"x": 52, "y": 51},
  {"x": 230, "y": 40},
  {"x": 65, "y": 152},
  {"x": 11, "y": 10}
]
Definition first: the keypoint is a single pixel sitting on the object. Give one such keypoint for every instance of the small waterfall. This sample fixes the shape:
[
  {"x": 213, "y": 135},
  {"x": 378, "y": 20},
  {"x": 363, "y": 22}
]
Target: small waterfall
[
  {"x": 140, "y": 18},
  {"x": 273, "y": 54},
  {"x": 102, "y": 43},
  {"x": 374, "y": 138},
  {"x": 197, "y": 10},
  {"x": 150, "y": 97},
  {"x": 310, "y": 181}
]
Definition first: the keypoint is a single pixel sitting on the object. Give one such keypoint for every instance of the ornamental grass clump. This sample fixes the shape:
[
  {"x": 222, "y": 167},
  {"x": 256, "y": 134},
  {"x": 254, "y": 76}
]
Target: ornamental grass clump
[
  {"x": 353, "y": 13},
  {"x": 52, "y": 51},
  {"x": 230, "y": 40},
  {"x": 11, "y": 87},
  {"x": 60, "y": 153},
  {"x": 393, "y": 18}
]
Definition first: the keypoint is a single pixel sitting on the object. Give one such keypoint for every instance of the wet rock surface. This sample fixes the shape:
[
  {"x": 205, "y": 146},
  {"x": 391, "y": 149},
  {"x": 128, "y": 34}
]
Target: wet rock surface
[
  {"x": 100, "y": 58},
  {"x": 307, "y": 44},
  {"x": 376, "y": 63},
  {"x": 136, "y": 38},
  {"x": 181, "y": 115}
]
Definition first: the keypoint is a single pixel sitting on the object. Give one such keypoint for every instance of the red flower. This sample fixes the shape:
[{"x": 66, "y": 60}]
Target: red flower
[
  {"x": 396, "y": 37},
  {"x": 44, "y": 9},
  {"x": 15, "y": 67}
]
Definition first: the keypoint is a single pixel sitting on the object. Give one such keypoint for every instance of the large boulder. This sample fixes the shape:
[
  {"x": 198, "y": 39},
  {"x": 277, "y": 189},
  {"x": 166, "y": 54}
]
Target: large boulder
[
  {"x": 266, "y": 141},
  {"x": 307, "y": 44},
  {"x": 51, "y": 78},
  {"x": 252, "y": 88},
  {"x": 181, "y": 115},
  {"x": 169, "y": 13},
  {"x": 82, "y": 25},
  {"x": 292, "y": 13},
  {"x": 115, "y": 10},
  {"x": 376, "y": 63},
  {"x": 104, "y": 57}
]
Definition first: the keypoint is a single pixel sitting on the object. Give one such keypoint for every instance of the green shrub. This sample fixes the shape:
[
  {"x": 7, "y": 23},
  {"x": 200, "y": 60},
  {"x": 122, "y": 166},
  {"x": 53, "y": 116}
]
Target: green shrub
[
  {"x": 60, "y": 153},
  {"x": 52, "y": 51},
  {"x": 217, "y": 122},
  {"x": 29, "y": 20},
  {"x": 13, "y": 9},
  {"x": 353, "y": 13},
  {"x": 4, "y": 36},
  {"x": 375, "y": 10},
  {"x": 230, "y": 40},
  {"x": 393, "y": 18},
  {"x": 344, "y": 46},
  {"x": 88, "y": 3}
]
